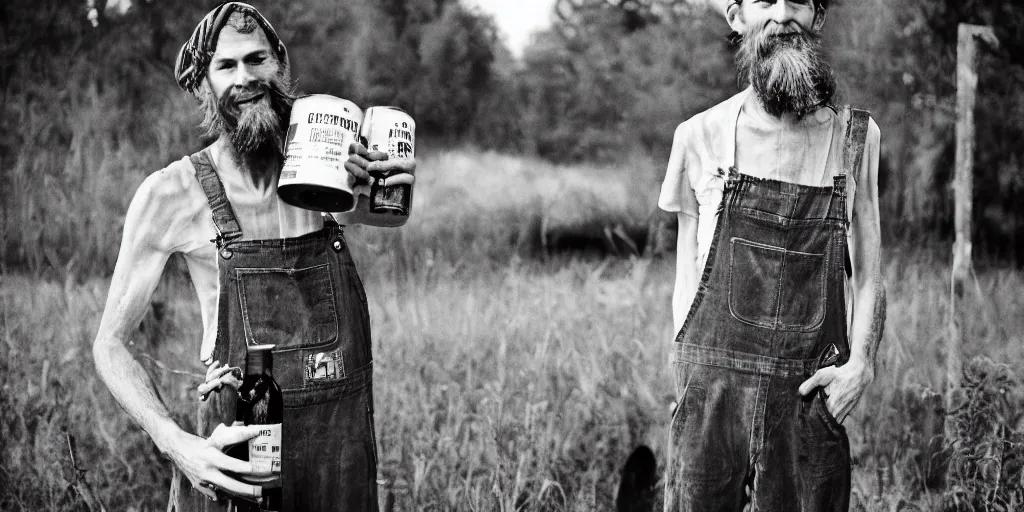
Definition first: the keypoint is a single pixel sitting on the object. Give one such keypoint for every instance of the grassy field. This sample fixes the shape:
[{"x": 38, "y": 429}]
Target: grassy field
[{"x": 505, "y": 379}]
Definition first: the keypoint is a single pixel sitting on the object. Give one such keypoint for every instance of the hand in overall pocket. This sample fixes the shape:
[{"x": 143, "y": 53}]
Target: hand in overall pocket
[{"x": 843, "y": 386}]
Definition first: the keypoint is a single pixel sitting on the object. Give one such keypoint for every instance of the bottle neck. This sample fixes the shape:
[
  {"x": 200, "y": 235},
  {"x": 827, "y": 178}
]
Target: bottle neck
[{"x": 259, "y": 362}]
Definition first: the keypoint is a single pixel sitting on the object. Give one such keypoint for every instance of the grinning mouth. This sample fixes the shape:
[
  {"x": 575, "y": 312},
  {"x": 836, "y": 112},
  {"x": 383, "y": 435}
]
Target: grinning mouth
[
  {"x": 249, "y": 99},
  {"x": 787, "y": 35}
]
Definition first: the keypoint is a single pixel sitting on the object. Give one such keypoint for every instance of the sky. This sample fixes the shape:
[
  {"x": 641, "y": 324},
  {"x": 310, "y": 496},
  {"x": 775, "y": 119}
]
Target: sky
[{"x": 517, "y": 19}]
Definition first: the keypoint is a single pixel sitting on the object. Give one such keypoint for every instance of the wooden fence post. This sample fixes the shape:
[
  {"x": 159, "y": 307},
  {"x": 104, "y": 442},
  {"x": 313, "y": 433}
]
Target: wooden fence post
[{"x": 966, "y": 87}]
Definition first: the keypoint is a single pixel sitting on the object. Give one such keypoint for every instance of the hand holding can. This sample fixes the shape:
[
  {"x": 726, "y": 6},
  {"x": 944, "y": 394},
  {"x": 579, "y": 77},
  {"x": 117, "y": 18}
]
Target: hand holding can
[{"x": 391, "y": 131}]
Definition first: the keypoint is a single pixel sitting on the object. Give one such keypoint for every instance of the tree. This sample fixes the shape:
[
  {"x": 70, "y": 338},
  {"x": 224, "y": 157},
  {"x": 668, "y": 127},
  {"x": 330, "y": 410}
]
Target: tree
[
  {"x": 457, "y": 51},
  {"x": 908, "y": 82},
  {"x": 600, "y": 87}
]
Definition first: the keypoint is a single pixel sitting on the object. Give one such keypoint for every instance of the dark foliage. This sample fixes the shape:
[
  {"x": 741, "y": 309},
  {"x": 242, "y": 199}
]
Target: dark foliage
[{"x": 87, "y": 83}]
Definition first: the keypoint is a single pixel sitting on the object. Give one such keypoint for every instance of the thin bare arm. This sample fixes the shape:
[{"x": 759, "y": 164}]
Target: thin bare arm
[
  {"x": 845, "y": 384},
  {"x": 687, "y": 273},
  {"x": 868, "y": 290},
  {"x": 360, "y": 162},
  {"x": 151, "y": 223},
  {"x": 139, "y": 265}
]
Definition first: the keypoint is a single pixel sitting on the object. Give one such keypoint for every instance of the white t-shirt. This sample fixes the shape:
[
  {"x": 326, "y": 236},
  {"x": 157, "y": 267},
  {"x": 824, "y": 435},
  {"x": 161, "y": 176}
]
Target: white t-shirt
[{"x": 808, "y": 153}]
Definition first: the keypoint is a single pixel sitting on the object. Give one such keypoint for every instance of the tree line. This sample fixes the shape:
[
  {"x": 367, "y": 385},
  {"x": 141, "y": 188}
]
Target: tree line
[{"x": 88, "y": 84}]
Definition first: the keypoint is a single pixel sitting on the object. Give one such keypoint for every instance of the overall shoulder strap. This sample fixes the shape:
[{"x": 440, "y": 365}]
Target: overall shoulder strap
[
  {"x": 224, "y": 219},
  {"x": 329, "y": 219},
  {"x": 855, "y": 139}
]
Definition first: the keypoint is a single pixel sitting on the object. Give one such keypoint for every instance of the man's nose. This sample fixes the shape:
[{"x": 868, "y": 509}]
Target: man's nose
[
  {"x": 243, "y": 75},
  {"x": 783, "y": 12}
]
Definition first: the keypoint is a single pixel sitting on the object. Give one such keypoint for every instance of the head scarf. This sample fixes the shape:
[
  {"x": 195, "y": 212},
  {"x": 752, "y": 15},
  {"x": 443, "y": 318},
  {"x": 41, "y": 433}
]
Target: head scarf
[{"x": 194, "y": 58}]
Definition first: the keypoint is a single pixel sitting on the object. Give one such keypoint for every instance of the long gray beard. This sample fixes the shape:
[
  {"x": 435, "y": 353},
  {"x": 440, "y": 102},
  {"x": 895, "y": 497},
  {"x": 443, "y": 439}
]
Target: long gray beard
[{"x": 788, "y": 72}]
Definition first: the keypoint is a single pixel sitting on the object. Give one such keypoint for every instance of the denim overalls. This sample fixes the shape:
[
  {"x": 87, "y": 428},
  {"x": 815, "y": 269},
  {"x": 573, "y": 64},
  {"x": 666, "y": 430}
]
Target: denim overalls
[
  {"x": 303, "y": 295},
  {"x": 770, "y": 309}
]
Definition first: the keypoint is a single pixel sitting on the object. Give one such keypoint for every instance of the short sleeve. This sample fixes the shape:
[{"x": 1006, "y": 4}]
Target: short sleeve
[
  {"x": 677, "y": 194},
  {"x": 872, "y": 150}
]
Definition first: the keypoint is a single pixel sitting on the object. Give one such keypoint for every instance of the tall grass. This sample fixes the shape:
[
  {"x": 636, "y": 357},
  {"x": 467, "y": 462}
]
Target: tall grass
[
  {"x": 67, "y": 185},
  {"x": 503, "y": 381},
  {"x": 889, "y": 429}
]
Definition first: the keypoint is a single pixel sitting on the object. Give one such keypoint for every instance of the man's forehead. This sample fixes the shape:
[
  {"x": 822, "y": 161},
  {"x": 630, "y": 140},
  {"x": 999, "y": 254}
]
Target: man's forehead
[
  {"x": 232, "y": 44},
  {"x": 218, "y": 36}
]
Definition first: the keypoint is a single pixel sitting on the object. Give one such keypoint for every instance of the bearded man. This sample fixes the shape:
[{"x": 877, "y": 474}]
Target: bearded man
[
  {"x": 265, "y": 272},
  {"x": 778, "y": 302}
]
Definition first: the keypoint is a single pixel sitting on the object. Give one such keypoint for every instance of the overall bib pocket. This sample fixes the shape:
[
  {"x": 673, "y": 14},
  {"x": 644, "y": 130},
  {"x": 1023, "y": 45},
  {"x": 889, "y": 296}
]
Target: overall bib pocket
[
  {"x": 758, "y": 295},
  {"x": 290, "y": 308}
]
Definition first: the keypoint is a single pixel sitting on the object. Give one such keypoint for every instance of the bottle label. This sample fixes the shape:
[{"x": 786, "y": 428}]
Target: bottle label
[{"x": 265, "y": 449}]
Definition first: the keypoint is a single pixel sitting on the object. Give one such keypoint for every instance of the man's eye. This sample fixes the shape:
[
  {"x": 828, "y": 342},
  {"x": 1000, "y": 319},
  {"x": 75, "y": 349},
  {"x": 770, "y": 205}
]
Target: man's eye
[
  {"x": 255, "y": 61},
  {"x": 226, "y": 65}
]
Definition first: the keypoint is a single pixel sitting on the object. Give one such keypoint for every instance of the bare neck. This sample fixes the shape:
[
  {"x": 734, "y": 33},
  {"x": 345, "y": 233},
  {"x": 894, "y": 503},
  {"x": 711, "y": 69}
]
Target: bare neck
[{"x": 260, "y": 170}]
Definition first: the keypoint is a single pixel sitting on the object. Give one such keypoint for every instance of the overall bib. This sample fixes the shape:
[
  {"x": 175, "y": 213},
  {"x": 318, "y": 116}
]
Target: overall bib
[
  {"x": 303, "y": 295},
  {"x": 770, "y": 310}
]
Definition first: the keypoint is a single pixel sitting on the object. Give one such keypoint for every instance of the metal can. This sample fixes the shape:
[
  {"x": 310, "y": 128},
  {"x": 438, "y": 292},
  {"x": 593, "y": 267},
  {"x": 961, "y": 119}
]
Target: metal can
[
  {"x": 320, "y": 131},
  {"x": 392, "y": 131}
]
